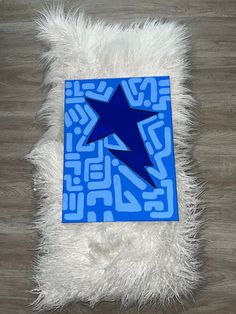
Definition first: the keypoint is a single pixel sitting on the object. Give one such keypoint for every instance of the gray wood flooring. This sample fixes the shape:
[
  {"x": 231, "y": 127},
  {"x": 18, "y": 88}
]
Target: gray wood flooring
[{"x": 213, "y": 26}]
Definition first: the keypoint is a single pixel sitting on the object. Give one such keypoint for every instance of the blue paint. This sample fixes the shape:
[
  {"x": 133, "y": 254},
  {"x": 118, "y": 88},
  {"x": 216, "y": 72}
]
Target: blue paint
[
  {"x": 118, "y": 151},
  {"x": 117, "y": 117}
]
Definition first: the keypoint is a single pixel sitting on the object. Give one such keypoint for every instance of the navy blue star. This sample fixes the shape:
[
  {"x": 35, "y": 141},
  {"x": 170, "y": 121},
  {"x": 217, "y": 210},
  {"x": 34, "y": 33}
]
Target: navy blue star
[{"x": 116, "y": 116}]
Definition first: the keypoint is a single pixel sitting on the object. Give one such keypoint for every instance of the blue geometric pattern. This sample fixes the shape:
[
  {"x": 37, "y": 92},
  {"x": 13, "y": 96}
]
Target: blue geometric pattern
[{"x": 97, "y": 187}]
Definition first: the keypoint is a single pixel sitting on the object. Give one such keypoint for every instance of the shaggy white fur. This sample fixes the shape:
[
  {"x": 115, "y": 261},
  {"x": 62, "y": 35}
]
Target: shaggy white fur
[{"x": 132, "y": 262}]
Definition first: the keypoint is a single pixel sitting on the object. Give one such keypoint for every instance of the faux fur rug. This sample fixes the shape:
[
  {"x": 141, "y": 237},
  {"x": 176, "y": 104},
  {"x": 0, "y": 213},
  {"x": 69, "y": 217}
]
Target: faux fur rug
[{"x": 134, "y": 262}]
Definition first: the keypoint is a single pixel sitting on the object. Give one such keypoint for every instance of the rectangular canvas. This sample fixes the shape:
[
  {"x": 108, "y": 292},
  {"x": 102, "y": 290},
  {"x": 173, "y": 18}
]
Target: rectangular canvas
[{"x": 118, "y": 150}]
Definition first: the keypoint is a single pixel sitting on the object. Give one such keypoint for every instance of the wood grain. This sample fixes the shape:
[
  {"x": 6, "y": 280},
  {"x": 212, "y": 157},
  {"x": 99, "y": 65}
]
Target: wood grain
[{"x": 213, "y": 27}]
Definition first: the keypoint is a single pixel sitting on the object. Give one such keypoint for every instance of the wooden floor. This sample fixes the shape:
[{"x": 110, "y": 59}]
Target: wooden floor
[{"x": 213, "y": 25}]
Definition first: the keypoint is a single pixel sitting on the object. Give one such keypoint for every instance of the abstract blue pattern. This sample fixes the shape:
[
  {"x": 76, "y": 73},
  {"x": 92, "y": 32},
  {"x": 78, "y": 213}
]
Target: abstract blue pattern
[{"x": 97, "y": 187}]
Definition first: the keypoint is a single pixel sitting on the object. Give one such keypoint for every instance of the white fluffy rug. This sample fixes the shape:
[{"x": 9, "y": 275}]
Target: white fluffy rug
[{"x": 131, "y": 262}]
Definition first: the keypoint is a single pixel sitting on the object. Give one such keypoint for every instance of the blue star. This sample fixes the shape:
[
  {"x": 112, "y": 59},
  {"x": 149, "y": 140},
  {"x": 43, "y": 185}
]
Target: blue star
[{"x": 116, "y": 116}]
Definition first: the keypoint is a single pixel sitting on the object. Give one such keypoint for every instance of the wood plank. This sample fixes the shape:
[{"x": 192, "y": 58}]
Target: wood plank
[{"x": 213, "y": 58}]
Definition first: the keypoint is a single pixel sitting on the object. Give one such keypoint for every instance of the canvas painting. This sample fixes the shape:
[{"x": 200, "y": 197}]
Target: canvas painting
[{"x": 119, "y": 162}]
